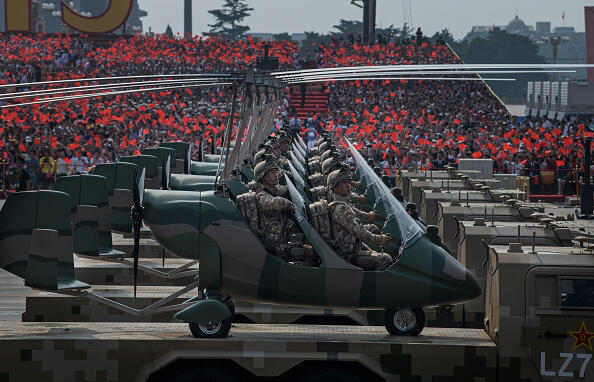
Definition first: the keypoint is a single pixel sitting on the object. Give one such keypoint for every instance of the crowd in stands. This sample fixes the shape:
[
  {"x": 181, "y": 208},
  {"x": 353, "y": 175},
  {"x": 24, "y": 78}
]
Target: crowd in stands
[{"x": 397, "y": 123}]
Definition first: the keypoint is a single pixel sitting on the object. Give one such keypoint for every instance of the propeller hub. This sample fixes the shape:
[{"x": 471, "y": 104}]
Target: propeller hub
[{"x": 137, "y": 213}]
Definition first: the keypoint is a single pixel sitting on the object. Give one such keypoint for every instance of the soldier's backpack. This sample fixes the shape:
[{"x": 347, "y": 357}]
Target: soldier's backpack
[
  {"x": 314, "y": 166},
  {"x": 319, "y": 217},
  {"x": 248, "y": 206},
  {"x": 318, "y": 193}
]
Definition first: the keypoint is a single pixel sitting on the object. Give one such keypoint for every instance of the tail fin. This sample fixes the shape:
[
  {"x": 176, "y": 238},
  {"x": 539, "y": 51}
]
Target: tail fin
[
  {"x": 182, "y": 156},
  {"x": 36, "y": 240},
  {"x": 90, "y": 217},
  {"x": 151, "y": 164}
]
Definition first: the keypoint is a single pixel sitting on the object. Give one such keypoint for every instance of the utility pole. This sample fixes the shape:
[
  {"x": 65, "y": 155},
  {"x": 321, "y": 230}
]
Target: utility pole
[
  {"x": 369, "y": 7},
  {"x": 188, "y": 18}
]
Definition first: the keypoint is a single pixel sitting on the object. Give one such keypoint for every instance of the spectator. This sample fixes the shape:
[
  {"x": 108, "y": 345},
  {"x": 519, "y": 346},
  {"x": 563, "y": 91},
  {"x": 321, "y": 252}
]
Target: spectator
[
  {"x": 23, "y": 181},
  {"x": 563, "y": 171},
  {"x": 47, "y": 169},
  {"x": 62, "y": 164}
]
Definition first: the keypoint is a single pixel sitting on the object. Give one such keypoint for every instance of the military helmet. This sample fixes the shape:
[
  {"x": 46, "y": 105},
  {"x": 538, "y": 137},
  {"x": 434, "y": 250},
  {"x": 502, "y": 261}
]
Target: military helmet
[
  {"x": 284, "y": 138},
  {"x": 261, "y": 155},
  {"x": 330, "y": 163},
  {"x": 263, "y": 167},
  {"x": 273, "y": 142},
  {"x": 337, "y": 176},
  {"x": 323, "y": 147},
  {"x": 326, "y": 154}
]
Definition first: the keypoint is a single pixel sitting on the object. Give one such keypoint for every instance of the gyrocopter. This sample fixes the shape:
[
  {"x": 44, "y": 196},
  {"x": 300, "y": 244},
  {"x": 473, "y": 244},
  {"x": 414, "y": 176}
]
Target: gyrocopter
[{"x": 194, "y": 215}]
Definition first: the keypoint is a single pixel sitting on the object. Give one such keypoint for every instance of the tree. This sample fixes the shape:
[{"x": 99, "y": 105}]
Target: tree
[
  {"x": 228, "y": 19},
  {"x": 444, "y": 35},
  {"x": 284, "y": 36},
  {"x": 347, "y": 27},
  {"x": 503, "y": 48}
]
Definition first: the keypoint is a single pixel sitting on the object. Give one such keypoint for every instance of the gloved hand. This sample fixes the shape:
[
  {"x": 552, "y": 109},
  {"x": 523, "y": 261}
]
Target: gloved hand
[
  {"x": 371, "y": 216},
  {"x": 384, "y": 240},
  {"x": 362, "y": 199},
  {"x": 356, "y": 184}
]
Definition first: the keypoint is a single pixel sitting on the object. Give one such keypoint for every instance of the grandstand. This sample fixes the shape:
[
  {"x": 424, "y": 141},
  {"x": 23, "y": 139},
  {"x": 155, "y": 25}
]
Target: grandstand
[{"x": 413, "y": 122}]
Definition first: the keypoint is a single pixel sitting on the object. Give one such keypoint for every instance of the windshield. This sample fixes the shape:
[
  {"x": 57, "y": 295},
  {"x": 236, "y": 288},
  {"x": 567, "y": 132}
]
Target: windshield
[
  {"x": 409, "y": 229},
  {"x": 298, "y": 153},
  {"x": 297, "y": 164},
  {"x": 297, "y": 177},
  {"x": 297, "y": 199}
]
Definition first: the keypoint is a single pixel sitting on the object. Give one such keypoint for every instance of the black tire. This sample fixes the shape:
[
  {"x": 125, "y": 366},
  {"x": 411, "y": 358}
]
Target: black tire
[
  {"x": 330, "y": 373},
  {"x": 216, "y": 330},
  {"x": 405, "y": 321}
]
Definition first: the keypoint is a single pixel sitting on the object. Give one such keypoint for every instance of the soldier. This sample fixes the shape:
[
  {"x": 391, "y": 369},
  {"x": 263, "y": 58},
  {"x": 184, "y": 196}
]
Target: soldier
[
  {"x": 282, "y": 160},
  {"x": 285, "y": 145},
  {"x": 275, "y": 217},
  {"x": 349, "y": 233},
  {"x": 329, "y": 165},
  {"x": 275, "y": 210}
]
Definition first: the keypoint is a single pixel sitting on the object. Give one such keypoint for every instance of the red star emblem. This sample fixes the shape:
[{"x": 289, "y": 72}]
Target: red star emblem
[{"x": 582, "y": 337}]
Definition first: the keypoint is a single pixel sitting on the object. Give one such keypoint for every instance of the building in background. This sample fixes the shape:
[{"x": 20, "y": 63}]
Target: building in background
[
  {"x": 561, "y": 44},
  {"x": 558, "y": 99}
]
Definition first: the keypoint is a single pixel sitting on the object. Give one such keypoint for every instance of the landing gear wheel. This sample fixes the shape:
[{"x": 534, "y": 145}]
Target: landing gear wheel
[
  {"x": 405, "y": 321},
  {"x": 212, "y": 329}
]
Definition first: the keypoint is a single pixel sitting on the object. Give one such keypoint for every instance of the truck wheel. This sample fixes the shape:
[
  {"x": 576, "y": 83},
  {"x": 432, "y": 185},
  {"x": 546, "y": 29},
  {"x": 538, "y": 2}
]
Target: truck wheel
[
  {"x": 405, "y": 321},
  {"x": 212, "y": 329}
]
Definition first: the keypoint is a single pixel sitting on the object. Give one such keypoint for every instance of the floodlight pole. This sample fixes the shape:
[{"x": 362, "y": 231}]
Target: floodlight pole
[
  {"x": 369, "y": 7},
  {"x": 188, "y": 18}
]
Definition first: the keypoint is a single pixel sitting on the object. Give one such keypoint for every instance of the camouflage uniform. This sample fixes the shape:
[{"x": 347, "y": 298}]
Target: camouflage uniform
[
  {"x": 349, "y": 235},
  {"x": 274, "y": 225},
  {"x": 276, "y": 222},
  {"x": 323, "y": 192},
  {"x": 314, "y": 165},
  {"x": 316, "y": 180},
  {"x": 328, "y": 165}
]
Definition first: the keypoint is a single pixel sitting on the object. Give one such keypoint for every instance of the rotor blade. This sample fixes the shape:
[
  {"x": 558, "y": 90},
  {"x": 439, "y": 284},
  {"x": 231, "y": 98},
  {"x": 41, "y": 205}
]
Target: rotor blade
[
  {"x": 94, "y": 79},
  {"x": 420, "y": 72},
  {"x": 137, "y": 197},
  {"x": 430, "y": 67},
  {"x": 138, "y": 188},
  {"x": 93, "y": 95},
  {"x": 401, "y": 78},
  {"x": 77, "y": 89}
]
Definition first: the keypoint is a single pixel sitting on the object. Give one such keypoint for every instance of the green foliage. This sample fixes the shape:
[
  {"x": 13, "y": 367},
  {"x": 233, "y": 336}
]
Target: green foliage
[
  {"x": 499, "y": 47},
  {"x": 347, "y": 27},
  {"x": 355, "y": 28},
  {"x": 284, "y": 36},
  {"x": 443, "y": 35},
  {"x": 228, "y": 20},
  {"x": 503, "y": 48}
]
